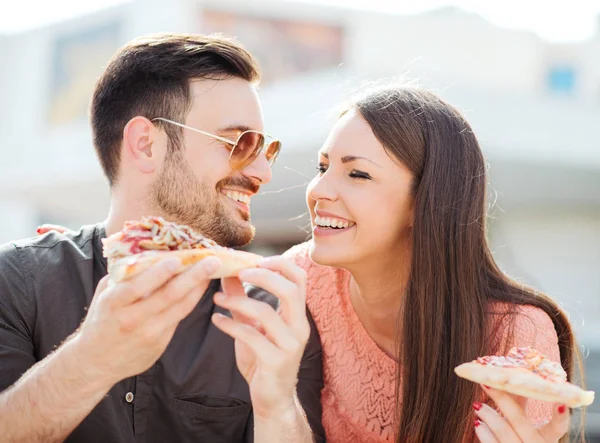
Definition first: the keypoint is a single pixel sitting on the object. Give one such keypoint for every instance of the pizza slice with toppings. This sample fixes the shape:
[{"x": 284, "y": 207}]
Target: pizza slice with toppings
[
  {"x": 526, "y": 372},
  {"x": 142, "y": 243}
]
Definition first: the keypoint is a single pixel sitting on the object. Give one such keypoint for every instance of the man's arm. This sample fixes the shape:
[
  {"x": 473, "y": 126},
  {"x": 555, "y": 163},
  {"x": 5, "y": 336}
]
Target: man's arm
[
  {"x": 54, "y": 392},
  {"x": 127, "y": 328},
  {"x": 52, "y": 398}
]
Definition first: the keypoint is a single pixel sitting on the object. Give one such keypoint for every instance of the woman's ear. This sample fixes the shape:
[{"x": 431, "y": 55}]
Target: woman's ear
[{"x": 411, "y": 213}]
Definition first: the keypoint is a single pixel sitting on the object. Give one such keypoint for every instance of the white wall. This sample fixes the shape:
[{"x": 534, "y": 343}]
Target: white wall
[
  {"x": 559, "y": 253},
  {"x": 18, "y": 219},
  {"x": 449, "y": 46}
]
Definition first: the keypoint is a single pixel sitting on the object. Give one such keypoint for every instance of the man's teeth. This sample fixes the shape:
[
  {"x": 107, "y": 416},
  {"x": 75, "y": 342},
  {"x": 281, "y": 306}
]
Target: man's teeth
[
  {"x": 234, "y": 195},
  {"x": 329, "y": 222}
]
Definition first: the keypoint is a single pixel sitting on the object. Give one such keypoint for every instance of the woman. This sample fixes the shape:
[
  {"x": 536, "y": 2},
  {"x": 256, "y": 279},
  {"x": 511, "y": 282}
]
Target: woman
[{"x": 403, "y": 287}]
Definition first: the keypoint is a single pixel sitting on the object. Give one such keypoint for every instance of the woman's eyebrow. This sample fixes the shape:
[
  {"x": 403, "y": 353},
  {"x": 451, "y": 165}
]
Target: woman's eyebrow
[{"x": 350, "y": 158}]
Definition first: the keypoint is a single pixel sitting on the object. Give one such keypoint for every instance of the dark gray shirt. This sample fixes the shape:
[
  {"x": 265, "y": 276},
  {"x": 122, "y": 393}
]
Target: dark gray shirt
[{"x": 194, "y": 393}]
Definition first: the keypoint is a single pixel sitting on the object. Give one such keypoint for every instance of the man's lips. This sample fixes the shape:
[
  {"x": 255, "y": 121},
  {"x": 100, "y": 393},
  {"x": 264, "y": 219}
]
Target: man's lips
[
  {"x": 240, "y": 198},
  {"x": 238, "y": 195}
]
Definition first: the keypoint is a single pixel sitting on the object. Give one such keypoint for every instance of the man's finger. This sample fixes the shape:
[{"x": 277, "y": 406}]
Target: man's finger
[
  {"x": 102, "y": 284},
  {"x": 171, "y": 316},
  {"x": 101, "y": 291},
  {"x": 146, "y": 282},
  {"x": 155, "y": 277},
  {"x": 172, "y": 292},
  {"x": 558, "y": 426},
  {"x": 196, "y": 276}
]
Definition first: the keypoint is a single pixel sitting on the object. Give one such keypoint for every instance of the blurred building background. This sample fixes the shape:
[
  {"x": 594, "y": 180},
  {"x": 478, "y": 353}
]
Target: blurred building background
[{"x": 535, "y": 106}]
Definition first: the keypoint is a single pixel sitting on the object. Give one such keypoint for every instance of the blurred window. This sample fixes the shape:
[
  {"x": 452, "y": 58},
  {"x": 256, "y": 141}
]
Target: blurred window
[
  {"x": 562, "y": 80},
  {"x": 77, "y": 61},
  {"x": 284, "y": 47}
]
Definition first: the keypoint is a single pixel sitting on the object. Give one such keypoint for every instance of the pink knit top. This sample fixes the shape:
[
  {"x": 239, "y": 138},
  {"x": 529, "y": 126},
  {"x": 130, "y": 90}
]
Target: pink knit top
[{"x": 358, "y": 398}]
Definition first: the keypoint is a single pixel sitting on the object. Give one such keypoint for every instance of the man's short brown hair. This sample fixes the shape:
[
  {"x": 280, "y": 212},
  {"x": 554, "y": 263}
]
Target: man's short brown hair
[{"x": 150, "y": 76}]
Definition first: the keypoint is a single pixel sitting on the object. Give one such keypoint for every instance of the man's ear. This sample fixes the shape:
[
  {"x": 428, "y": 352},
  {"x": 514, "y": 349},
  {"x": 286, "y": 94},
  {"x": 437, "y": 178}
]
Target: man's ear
[{"x": 139, "y": 144}]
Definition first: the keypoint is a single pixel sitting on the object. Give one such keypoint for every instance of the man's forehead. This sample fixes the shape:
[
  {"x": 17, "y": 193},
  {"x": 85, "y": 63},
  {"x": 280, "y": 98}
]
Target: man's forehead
[{"x": 225, "y": 103}]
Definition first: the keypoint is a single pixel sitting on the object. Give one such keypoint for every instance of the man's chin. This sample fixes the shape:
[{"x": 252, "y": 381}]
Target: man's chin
[
  {"x": 237, "y": 234},
  {"x": 245, "y": 235}
]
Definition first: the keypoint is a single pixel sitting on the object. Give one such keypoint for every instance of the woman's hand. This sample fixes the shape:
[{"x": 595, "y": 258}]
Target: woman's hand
[
  {"x": 43, "y": 229},
  {"x": 268, "y": 344},
  {"x": 513, "y": 426}
]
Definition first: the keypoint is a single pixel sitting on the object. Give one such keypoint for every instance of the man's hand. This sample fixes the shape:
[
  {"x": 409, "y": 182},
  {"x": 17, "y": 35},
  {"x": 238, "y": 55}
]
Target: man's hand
[
  {"x": 130, "y": 324},
  {"x": 127, "y": 329},
  {"x": 269, "y": 344}
]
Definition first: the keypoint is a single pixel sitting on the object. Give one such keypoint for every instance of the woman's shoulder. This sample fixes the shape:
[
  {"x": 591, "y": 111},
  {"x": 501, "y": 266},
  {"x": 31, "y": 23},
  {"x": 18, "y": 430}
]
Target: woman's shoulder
[
  {"x": 527, "y": 325},
  {"x": 300, "y": 254},
  {"x": 524, "y": 326},
  {"x": 320, "y": 279}
]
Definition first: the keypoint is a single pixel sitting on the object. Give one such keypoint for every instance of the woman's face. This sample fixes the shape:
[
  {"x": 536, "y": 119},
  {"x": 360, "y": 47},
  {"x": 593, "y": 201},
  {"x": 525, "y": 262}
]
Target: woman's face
[{"x": 360, "y": 201}]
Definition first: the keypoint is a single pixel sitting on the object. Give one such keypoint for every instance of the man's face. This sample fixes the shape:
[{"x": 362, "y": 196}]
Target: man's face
[{"x": 197, "y": 186}]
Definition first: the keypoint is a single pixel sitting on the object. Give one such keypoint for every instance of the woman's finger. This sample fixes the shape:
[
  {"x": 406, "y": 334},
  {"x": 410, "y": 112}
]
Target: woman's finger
[
  {"x": 496, "y": 424},
  {"x": 233, "y": 286},
  {"x": 258, "y": 312},
  {"x": 285, "y": 267},
  {"x": 261, "y": 346},
  {"x": 43, "y": 229},
  {"x": 558, "y": 426},
  {"x": 483, "y": 433},
  {"x": 514, "y": 414},
  {"x": 290, "y": 295}
]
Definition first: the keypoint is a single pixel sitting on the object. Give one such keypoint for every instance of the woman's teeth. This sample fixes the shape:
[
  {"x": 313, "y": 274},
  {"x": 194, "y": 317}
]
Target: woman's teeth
[
  {"x": 238, "y": 196},
  {"x": 329, "y": 222}
]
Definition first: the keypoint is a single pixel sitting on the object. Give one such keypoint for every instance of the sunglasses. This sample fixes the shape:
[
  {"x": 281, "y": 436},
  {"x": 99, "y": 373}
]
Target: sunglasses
[{"x": 248, "y": 146}]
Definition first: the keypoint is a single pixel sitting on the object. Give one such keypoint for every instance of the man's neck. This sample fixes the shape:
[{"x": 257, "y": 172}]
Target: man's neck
[{"x": 122, "y": 211}]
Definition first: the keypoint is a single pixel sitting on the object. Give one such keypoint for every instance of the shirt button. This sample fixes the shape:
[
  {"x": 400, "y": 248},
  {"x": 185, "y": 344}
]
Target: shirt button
[{"x": 129, "y": 397}]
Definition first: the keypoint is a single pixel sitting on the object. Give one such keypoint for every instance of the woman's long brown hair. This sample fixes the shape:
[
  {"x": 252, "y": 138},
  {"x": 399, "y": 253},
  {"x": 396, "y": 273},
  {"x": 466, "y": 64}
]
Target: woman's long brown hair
[{"x": 454, "y": 281}]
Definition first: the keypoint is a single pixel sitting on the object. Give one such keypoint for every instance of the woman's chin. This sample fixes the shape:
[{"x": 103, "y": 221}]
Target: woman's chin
[{"x": 325, "y": 255}]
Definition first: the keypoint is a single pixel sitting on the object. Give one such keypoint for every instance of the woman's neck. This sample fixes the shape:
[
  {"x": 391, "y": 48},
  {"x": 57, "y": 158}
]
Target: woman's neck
[{"x": 376, "y": 291}]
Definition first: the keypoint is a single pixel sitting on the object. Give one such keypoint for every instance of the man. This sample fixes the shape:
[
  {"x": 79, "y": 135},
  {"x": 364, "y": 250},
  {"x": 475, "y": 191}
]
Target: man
[{"x": 153, "y": 359}]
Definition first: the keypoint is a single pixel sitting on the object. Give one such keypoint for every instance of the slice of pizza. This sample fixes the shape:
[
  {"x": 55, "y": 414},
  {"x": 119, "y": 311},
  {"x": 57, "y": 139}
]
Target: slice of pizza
[
  {"x": 142, "y": 243},
  {"x": 528, "y": 373}
]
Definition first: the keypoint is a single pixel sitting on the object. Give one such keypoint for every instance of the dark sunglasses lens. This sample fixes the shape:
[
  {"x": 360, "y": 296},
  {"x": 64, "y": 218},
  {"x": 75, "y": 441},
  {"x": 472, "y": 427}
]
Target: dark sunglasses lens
[
  {"x": 247, "y": 149},
  {"x": 273, "y": 151}
]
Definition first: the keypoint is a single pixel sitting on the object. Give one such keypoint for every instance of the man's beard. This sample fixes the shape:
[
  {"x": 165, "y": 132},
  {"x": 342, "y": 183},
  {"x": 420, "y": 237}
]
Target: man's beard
[{"x": 178, "y": 196}]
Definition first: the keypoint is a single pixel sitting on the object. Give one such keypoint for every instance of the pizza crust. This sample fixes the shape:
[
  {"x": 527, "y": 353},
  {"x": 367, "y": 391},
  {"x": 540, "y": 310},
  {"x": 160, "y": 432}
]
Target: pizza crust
[
  {"x": 520, "y": 381},
  {"x": 232, "y": 262}
]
